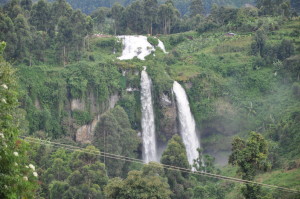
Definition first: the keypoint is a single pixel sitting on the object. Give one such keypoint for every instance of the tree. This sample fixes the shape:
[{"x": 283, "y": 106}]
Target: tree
[
  {"x": 117, "y": 14},
  {"x": 99, "y": 17},
  {"x": 206, "y": 187},
  {"x": 8, "y": 35},
  {"x": 285, "y": 50},
  {"x": 64, "y": 37},
  {"x": 205, "y": 163},
  {"x": 114, "y": 135},
  {"x": 196, "y": 7},
  {"x": 250, "y": 156},
  {"x": 26, "y": 4},
  {"x": 23, "y": 37},
  {"x": 40, "y": 16},
  {"x": 175, "y": 155},
  {"x": 16, "y": 178},
  {"x": 79, "y": 31},
  {"x": 60, "y": 8},
  {"x": 150, "y": 12},
  {"x": 89, "y": 175},
  {"x": 76, "y": 175},
  {"x": 168, "y": 14},
  {"x": 259, "y": 43},
  {"x": 148, "y": 183},
  {"x": 57, "y": 189},
  {"x": 135, "y": 18},
  {"x": 13, "y": 9},
  {"x": 274, "y": 7}
]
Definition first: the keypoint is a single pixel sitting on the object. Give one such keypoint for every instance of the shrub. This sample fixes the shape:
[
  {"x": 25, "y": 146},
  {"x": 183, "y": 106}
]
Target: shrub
[
  {"x": 174, "y": 40},
  {"x": 81, "y": 117},
  {"x": 296, "y": 89},
  {"x": 207, "y": 26},
  {"x": 153, "y": 41}
]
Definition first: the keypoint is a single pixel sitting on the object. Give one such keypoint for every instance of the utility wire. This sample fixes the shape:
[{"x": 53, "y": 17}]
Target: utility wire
[{"x": 169, "y": 167}]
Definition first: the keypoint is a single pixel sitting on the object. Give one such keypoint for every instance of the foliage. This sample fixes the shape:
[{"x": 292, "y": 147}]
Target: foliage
[
  {"x": 113, "y": 134},
  {"x": 250, "y": 156},
  {"x": 230, "y": 90},
  {"x": 175, "y": 155},
  {"x": 153, "y": 41},
  {"x": 70, "y": 175},
  {"x": 82, "y": 117},
  {"x": 196, "y": 7},
  {"x": 286, "y": 133},
  {"x": 148, "y": 183},
  {"x": 16, "y": 178},
  {"x": 131, "y": 104}
]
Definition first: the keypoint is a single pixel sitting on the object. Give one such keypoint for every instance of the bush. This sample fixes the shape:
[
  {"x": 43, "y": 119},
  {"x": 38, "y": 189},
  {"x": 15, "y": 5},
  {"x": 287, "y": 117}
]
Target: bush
[
  {"x": 285, "y": 50},
  {"x": 81, "y": 117},
  {"x": 110, "y": 44},
  {"x": 296, "y": 90},
  {"x": 153, "y": 41},
  {"x": 91, "y": 58},
  {"x": 174, "y": 40},
  {"x": 295, "y": 33},
  {"x": 207, "y": 26}
]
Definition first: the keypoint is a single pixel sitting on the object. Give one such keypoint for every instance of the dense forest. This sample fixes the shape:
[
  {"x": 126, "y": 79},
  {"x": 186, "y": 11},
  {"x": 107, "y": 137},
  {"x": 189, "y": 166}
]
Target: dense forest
[{"x": 70, "y": 109}]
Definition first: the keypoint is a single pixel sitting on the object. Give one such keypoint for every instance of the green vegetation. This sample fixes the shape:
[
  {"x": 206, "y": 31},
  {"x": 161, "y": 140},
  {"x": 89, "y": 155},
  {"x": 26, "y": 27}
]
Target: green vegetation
[
  {"x": 175, "y": 155},
  {"x": 239, "y": 66},
  {"x": 148, "y": 183},
  {"x": 18, "y": 177},
  {"x": 113, "y": 134},
  {"x": 250, "y": 156}
]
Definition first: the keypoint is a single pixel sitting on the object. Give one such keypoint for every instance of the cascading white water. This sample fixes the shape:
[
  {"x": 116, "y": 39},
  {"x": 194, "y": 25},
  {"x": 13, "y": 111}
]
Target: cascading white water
[
  {"x": 148, "y": 127},
  {"x": 137, "y": 46},
  {"x": 187, "y": 123}
]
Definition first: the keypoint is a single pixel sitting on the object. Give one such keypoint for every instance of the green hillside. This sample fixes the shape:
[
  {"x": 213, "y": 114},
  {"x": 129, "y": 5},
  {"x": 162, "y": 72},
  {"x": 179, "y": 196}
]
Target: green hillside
[{"x": 75, "y": 130}]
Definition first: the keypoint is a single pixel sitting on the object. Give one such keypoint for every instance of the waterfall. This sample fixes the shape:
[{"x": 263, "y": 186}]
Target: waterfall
[
  {"x": 187, "y": 123},
  {"x": 137, "y": 46},
  {"x": 148, "y": 127}
]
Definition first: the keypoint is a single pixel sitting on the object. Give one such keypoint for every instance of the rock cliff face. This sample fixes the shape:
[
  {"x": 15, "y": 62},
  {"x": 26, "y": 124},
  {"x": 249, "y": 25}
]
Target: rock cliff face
[
  {"x": 85, "y": 133},
  {"x": 168, "y": 122},
  {"x": 77, "y": 104}
]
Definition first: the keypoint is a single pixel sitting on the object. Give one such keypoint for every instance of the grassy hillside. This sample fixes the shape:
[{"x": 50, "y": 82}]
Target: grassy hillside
[{"x": 231, "y": 91}]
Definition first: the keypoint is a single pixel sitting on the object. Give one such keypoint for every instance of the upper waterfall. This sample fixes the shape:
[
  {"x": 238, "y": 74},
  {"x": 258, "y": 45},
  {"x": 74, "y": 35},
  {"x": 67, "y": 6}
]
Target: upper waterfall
[
  {"x": 187, "y": 123},
  {"x": 137, "y": 46},
  {"x": 148, "y": 126}
]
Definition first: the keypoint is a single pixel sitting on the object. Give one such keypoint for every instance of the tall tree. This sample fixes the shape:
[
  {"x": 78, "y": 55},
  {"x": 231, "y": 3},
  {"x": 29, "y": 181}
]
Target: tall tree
[
  {"x": 175, "y": 155},
  {"x": 114, "y": 135},
  {"x": 60, "y": 8},
  {"x": 259, "y": 43},
  {"x": 117, "y": 14},
  {"x": 26, "y": 4},
  {"x": 135, "y": 18},
  {"x": 150, "y": 12},
  {"x": 13, "y": 9},
  {"x": 40, "y": 15},
  {"x": 8, "y": 35},
  {"x": 79, "y": 31},
  {"x": 250, "y": 156},
  {"x": 23, "y": 37},
  {"x": 148, "y": 183},
  {"x": 196, "y": 7},
  {"x": 168, "y": 14},
  {"x": 99, "y": 17},
  {"x": 64, "y": 38}
]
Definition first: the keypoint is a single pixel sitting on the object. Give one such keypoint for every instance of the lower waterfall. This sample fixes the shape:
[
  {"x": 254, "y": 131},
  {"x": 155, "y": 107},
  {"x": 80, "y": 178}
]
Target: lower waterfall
[
  {"x": 148, "y": 126},
  {"x": 187, "y": 123}
]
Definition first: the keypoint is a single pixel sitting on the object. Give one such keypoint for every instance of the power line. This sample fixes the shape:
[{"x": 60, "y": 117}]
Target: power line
[{"x": 169, "y": 167}]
